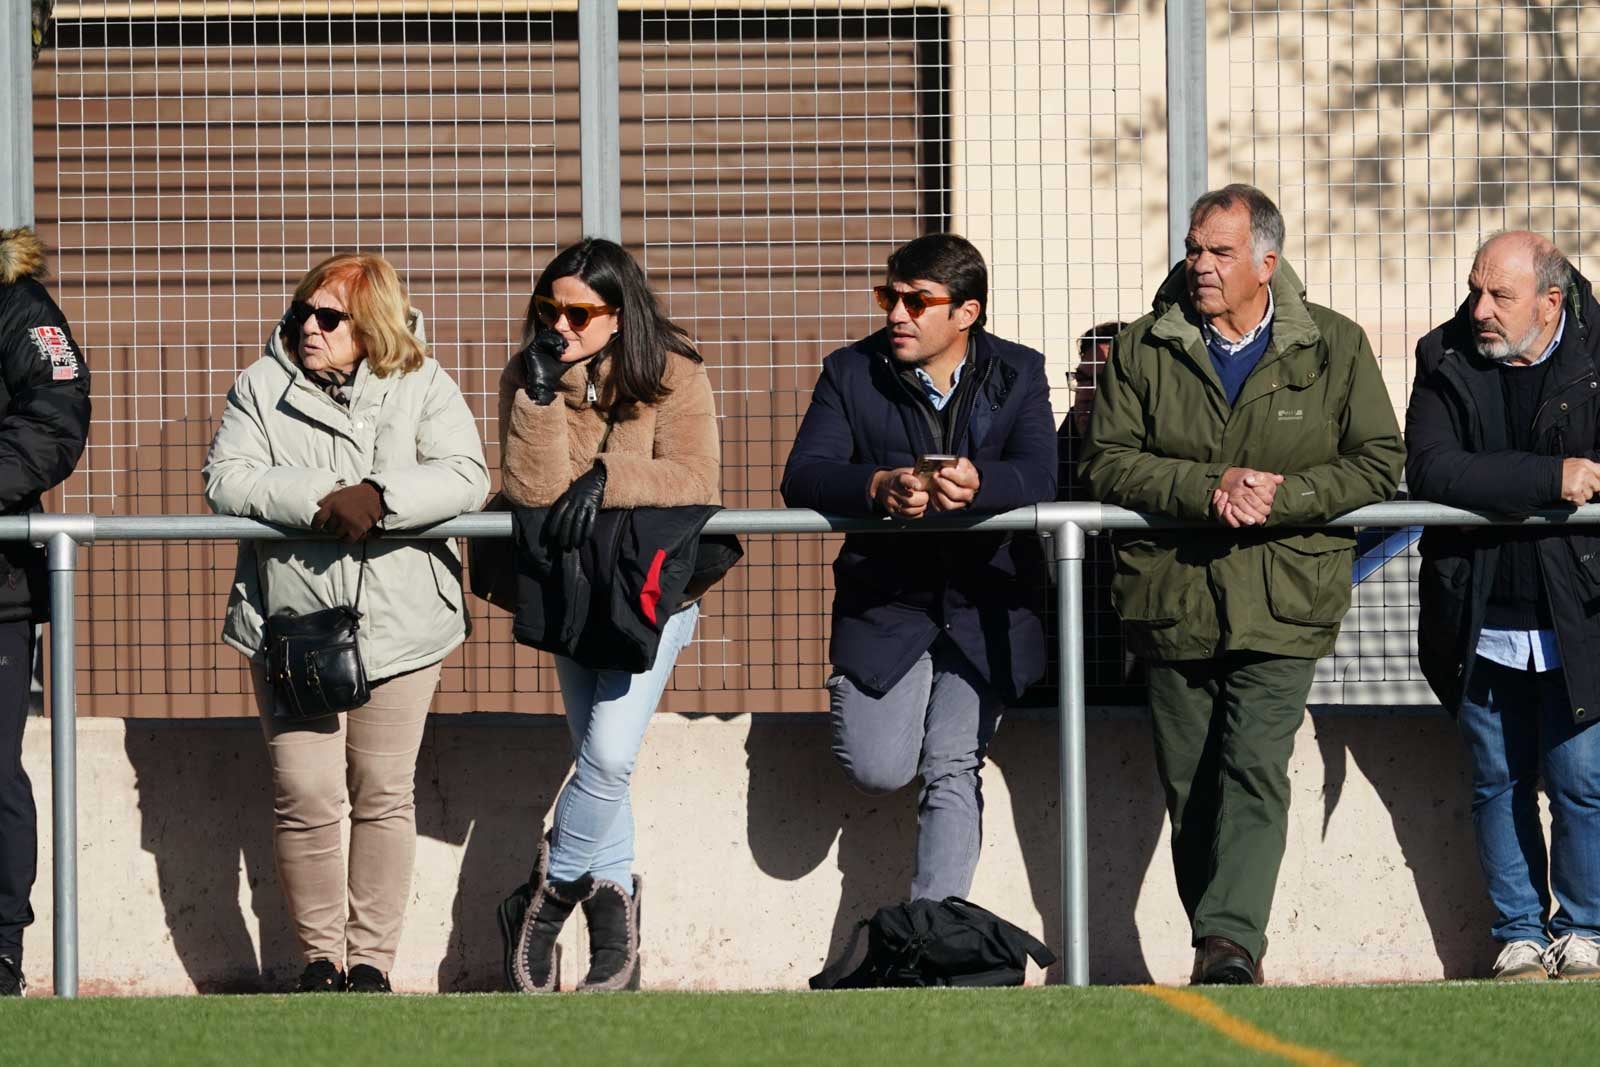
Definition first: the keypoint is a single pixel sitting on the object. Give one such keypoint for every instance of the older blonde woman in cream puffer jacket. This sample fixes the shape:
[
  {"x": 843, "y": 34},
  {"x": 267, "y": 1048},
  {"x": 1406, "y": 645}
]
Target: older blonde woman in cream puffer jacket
[{"x": 346, "y": 426}]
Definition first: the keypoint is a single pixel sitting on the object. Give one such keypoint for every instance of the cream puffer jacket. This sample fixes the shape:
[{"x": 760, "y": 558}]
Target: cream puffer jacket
[{"x": 284, "y": 444}]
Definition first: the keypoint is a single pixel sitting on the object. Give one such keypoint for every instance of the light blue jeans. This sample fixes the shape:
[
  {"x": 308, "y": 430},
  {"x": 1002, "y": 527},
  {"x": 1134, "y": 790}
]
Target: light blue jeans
[
  {"x": 607, "y": 713},
  {"x": 1518, "y": 726}
]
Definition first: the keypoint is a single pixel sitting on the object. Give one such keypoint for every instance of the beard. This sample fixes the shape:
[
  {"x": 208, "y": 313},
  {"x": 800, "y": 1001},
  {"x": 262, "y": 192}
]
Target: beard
[{"x": 1505, "y": 350}]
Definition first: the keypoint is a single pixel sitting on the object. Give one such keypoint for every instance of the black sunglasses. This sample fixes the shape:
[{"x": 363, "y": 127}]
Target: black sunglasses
[{"x": 328, "y": 319}]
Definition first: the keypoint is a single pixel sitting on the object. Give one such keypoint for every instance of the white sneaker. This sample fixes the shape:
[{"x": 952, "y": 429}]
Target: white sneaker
[
  {"x": 1522, "y": 960},
  {"x": 1573, "y": 957}
]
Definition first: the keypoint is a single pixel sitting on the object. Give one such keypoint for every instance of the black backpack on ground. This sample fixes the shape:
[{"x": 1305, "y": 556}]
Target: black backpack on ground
[{"x": 949, "y": 942}]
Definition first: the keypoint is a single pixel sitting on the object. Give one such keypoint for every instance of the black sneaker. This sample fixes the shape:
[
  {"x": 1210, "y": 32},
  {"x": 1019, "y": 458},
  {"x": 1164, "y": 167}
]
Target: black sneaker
[
  {"x": 321, "y": 976},
  {"x": 12, "y": 984},
  {"x": 365, "y": 978}
]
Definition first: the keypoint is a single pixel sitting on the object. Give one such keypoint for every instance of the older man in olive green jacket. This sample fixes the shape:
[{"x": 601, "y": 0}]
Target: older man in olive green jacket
[{"x": 1235, "y": 402}]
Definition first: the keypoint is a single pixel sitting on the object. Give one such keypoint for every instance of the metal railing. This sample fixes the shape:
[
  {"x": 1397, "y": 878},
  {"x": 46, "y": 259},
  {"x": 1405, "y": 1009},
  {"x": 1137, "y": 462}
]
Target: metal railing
[{"x": 1067, "y": 524}]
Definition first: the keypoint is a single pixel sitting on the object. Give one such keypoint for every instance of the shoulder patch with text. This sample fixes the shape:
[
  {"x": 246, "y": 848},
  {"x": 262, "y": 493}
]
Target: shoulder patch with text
[{"x": 56, "y": 347}]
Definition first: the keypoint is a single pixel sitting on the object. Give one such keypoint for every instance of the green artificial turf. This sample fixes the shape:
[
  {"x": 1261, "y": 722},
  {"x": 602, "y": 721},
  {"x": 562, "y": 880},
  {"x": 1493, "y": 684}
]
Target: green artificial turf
[{"x": 1460, "y": 1023}]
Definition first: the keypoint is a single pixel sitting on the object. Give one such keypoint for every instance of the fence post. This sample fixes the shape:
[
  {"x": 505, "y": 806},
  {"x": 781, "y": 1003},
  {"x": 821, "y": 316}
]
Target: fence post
[
  {"x": 16, "y": 115},
  {"x": 1187, "y": 174},
  {"x": 1068, "y": 541},
  {"x": 62, "y": 550},
  {"x": 600, "y": 119}
]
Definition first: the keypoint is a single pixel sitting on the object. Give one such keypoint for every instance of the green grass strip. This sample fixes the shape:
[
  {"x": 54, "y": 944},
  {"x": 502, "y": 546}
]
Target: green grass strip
[
  {"x": 913, "y": 1027},
  {"x": 1438, "y": 1023}
]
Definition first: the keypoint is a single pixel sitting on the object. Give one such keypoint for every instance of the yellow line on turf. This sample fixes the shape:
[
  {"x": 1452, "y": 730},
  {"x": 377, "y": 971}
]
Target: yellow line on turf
[{"x": 1209, "y": 1012}]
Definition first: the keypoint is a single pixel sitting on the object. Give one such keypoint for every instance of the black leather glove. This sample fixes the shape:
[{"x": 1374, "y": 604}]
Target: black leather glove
[
  {"x": 542, "y": 366},
  {"x": 571, "y": 517}
]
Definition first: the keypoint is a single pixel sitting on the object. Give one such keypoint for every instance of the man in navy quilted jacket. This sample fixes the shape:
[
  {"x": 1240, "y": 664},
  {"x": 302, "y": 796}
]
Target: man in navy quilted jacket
[{"x": 932, "y": 633}]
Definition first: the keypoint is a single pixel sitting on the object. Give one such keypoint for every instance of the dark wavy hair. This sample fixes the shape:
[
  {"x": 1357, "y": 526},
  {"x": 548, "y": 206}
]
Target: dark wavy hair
[
  {"x": 644, "y": 334},
  {"x": 949, "y": 259}
]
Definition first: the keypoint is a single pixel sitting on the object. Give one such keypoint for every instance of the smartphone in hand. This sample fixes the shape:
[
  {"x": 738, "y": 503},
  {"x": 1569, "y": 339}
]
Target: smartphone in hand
[{"x": 927, "y": 464}]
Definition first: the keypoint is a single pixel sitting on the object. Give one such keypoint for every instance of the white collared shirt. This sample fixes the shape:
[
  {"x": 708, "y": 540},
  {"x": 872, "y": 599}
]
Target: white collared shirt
[
  {"x": 1524, "y": 650},
  {"x": 1233, "y": 348}
]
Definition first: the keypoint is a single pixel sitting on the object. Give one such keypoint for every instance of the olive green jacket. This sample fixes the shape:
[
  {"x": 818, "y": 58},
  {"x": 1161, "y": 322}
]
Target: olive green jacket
[{"x": 1314, "y": 410}]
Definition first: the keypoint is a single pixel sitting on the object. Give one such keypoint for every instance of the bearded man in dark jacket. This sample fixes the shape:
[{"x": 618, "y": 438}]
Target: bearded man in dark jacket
[
  {"x": 1505, "y": 417},
  {"x": 44, "y": 419}
]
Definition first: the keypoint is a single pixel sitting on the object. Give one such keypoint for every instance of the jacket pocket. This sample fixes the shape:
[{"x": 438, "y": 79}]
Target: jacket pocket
[
  {"x": 1150, "y": 587},
  {"x": 446, "y": 578},
  {"x": 1308, "y": 585},
  {"x": 1586, "y": 569}
]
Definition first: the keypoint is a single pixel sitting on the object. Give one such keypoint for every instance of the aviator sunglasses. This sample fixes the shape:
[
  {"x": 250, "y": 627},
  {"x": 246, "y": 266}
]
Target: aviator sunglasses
[
  {"x": 916, "y": 302},
  {"x": 578, "y": 315},
  {"x": 328, "y": 319}
]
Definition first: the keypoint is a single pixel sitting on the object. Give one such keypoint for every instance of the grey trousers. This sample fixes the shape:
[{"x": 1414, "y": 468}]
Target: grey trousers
[{"x": 936, "y": 722}]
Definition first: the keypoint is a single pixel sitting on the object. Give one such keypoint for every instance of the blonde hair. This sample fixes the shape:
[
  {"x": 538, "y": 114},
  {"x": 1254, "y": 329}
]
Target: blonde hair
[{"x": 378, "y": 305}]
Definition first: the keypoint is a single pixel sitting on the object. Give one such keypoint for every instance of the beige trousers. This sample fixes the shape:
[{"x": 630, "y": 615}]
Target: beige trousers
[{"x": 363, "y": 762}]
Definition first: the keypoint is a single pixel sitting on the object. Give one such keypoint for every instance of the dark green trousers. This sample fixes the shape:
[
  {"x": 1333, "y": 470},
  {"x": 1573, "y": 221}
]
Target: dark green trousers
[{"x": 1224, "y": 731}]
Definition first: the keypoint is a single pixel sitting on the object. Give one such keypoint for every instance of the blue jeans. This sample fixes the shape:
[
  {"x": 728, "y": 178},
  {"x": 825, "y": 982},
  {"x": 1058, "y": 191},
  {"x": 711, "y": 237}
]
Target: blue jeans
[
  {"x": 1515, "y": 722},
  {"x": 607, "y": 713}
]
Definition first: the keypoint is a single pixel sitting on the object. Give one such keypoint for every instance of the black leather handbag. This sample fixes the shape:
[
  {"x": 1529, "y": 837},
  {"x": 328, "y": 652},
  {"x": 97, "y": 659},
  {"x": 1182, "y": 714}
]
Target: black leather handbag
[{"x": 314, "y": 660}]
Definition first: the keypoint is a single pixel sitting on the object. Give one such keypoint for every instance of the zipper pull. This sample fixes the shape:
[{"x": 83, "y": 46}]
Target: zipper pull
[{"x": 590, "y": 394}]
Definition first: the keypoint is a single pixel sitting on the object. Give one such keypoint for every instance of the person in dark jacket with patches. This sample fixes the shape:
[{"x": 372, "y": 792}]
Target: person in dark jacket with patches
[
  {"x": 932, "y": 633},
  {"x": 1505, "y": 417},
  {"x": 44, "y": 420}
]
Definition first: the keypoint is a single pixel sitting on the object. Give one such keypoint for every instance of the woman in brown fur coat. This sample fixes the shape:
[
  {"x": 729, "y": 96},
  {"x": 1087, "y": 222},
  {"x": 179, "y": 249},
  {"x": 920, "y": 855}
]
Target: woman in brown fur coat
[{"x": 608, "y": 406}]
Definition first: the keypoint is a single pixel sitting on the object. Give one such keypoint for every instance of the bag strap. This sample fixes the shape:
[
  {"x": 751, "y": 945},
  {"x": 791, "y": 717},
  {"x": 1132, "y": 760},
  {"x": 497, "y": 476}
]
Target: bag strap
[
  {"x": 361, "y": 576},
  {"x": 830, "y": 976},
  {"x": 1036, "y": 949}
]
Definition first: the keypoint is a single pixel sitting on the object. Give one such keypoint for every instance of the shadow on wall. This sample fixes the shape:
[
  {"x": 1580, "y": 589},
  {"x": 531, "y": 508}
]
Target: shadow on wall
[
  {"x": 205, "y": 798},
  {"x": 800, "y": 802},
  {"x": 205, "y": 805},
  {"x": 1125, "y": 818},
  {"x": 1425, "y": 787},
  {"x": 515, "y": 773}
]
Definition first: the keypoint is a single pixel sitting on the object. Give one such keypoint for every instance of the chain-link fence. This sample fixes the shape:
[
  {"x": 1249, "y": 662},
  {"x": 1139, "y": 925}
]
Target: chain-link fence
[{"x": 193, "y": 159}]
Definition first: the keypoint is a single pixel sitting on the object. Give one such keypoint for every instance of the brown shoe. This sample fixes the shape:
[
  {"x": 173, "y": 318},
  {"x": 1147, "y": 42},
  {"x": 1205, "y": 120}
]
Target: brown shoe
[{"x": 1219, "y": 961}]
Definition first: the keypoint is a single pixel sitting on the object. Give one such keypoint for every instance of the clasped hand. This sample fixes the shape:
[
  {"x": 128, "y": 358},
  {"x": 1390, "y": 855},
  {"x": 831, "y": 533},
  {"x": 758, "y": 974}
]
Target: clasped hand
[
  {"x": 1243, "y": 497},
  {"x": 903, "y": 494},
  {"x": 349, "y": 513},
  {"x": 1580, "y": 480}
]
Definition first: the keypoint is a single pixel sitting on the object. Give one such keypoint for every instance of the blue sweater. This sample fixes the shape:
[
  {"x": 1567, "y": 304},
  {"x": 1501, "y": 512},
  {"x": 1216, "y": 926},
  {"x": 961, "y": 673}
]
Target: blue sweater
[{"x": 1234, "y": 369}]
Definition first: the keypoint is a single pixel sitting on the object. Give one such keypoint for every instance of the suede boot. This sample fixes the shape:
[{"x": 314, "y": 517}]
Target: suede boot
[
  {"x": 613, "y": 918},
  {"x": 514, "y": 909},
  {"x": 537, "y": 968}
]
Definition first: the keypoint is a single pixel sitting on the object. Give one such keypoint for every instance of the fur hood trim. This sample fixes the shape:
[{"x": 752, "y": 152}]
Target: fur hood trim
[{"x": 21, "y": 255}]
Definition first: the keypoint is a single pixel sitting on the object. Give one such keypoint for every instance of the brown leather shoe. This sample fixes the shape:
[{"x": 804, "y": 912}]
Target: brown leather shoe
[{"x": 1219, "y": 961}]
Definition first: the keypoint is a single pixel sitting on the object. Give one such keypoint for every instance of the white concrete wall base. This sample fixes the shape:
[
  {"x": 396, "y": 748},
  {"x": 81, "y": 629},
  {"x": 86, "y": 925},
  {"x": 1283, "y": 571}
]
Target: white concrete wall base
[{"x": 757, "y": 855}]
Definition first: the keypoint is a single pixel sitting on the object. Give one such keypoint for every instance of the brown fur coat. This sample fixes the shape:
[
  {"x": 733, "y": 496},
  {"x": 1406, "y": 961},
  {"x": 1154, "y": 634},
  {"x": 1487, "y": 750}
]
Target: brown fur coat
[{"x": 662, "y": 455}]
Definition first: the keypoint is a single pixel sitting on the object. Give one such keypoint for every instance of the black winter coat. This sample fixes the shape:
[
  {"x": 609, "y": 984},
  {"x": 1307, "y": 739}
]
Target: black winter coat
[
  {"x": 1458, "y": 453},
  {"x": 605, "y": 604},
  {"x": 895, "y": 593},
  {"x": 44, "y": 417}
]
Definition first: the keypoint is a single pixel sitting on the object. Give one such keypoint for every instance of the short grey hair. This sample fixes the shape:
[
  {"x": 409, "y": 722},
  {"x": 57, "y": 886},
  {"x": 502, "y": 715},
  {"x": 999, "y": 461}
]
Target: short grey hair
[
  {"x": 1551, "y": 270},
  {"x": 1266, "y": 221}
]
